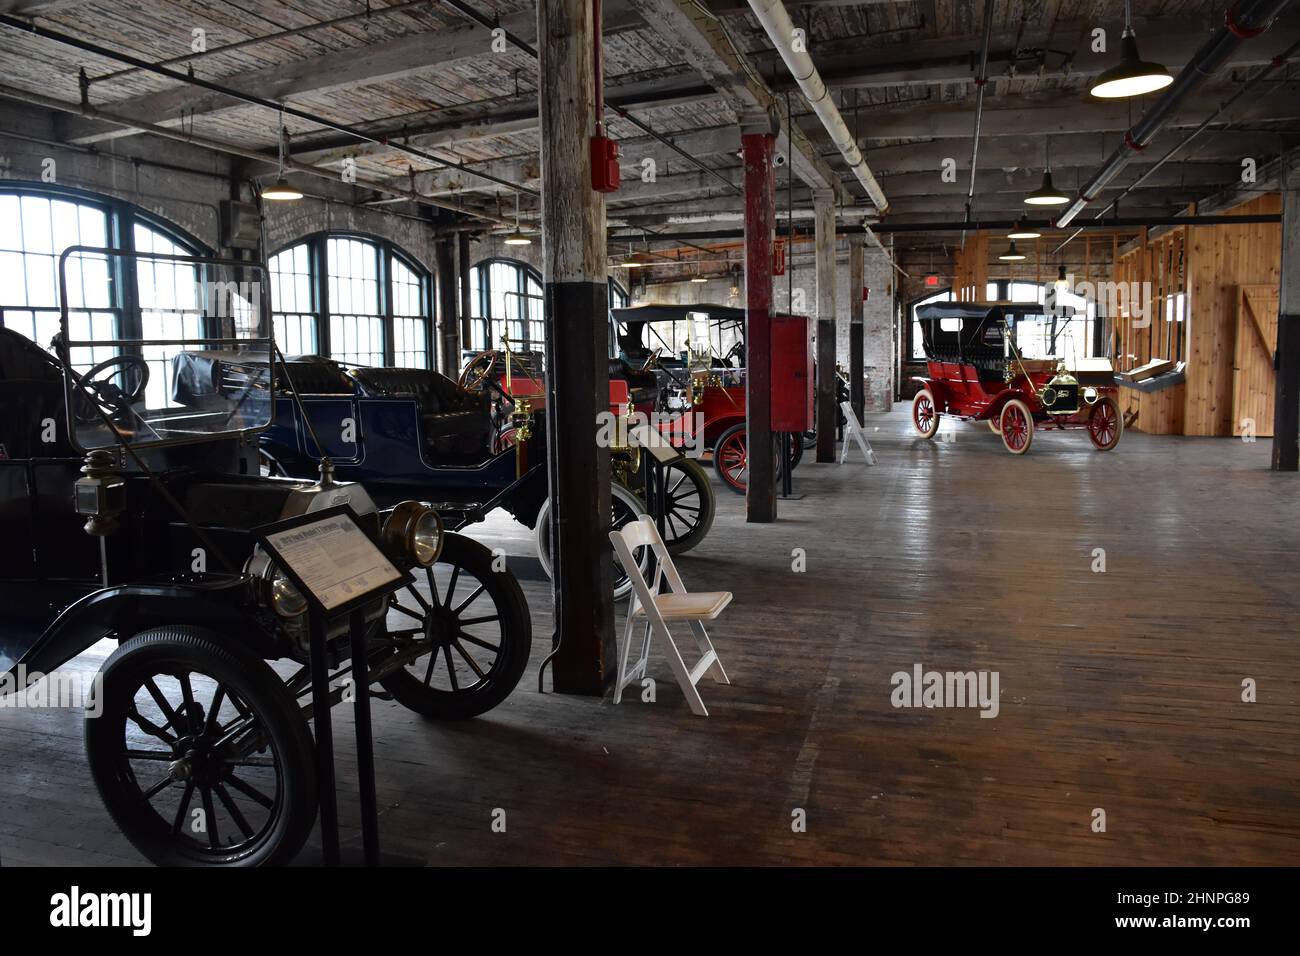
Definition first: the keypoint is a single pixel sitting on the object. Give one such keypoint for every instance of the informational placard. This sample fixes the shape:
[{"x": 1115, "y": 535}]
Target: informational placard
[
  {"x": 653, "y": 442},
  {"x": 331, "y": 559}
]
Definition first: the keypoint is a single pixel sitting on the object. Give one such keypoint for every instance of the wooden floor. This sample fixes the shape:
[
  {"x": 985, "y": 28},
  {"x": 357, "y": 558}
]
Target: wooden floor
[{"x": 1119, "y": 690}]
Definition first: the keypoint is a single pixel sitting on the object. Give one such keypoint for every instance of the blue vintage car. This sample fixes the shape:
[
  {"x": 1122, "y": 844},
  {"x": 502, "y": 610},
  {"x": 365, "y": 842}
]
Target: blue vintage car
[{"x": 414, "y": 433}]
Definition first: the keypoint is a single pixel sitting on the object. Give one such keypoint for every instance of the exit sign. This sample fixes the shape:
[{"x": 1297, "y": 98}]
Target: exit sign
[{"x": 932, "y": 280}]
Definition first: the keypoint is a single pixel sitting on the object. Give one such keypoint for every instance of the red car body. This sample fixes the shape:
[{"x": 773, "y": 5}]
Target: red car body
[{"x": 977, "y": 373}]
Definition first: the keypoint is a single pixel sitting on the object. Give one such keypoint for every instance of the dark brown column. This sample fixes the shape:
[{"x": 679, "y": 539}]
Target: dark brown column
[
  {"x": 857, "y": 347},
  {"x": 756, "y": 140},
  {"x": 824, "y": 243},
  {"x": 466, "y": 298},
  {"x": 448, "y": 322},
  {"x": 1286, "y": 403},
  {"x": 577, "y": 351}
]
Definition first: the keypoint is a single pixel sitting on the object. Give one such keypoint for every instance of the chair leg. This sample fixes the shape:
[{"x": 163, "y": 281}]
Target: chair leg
[
  {"x": 683, "y": 675},
  {"x": 705, "y": 645},
  {"x": 622, "y": 661}
]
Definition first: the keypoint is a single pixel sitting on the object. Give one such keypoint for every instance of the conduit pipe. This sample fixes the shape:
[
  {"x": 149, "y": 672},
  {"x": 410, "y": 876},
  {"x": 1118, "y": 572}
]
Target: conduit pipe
[
  {"x": 194, "y": 139},
  {"x": 780, "y": 30},
  {"x": 981, "y": 80},
  {"x": 1242, "y": 21}
]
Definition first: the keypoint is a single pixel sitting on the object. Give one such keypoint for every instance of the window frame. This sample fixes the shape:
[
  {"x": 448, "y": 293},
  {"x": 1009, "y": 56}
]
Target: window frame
[{"x": 387, "y": 252}]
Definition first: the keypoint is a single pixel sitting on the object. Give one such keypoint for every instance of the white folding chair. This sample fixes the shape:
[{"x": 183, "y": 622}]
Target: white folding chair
[
  {"x": 853, "y": 432},
  {"x": 654, "y": 610}
]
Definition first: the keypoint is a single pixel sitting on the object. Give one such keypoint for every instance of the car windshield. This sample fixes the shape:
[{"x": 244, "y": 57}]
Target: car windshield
[{"x": 190, "y": 361}]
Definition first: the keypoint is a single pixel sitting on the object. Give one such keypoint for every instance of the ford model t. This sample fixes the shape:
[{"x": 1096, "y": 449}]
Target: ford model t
[
  {"x": 977, "y": 372},
  {"x": 129, "y": 496},
  {"x": 697, "y": 353}
]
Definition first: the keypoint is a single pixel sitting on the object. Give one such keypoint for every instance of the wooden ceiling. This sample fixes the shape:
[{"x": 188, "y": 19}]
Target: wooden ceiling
[{"x": 902, "y": 74}]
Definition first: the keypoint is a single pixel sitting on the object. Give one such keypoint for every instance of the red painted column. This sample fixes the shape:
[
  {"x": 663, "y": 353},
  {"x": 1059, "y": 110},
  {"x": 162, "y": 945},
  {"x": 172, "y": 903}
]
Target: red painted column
[{"x": 760, "y": 225}]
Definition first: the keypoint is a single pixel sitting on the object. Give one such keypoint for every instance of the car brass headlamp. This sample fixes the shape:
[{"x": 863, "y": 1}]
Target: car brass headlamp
[
  {"x": 414, "y": 531},
  {"x": 274, "y": 589},
  {"x": 1090, "y": 395}
]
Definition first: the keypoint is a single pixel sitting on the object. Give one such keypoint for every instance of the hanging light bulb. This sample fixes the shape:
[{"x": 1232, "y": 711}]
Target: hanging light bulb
[
  {"x": 1011, "y": 255},
  {"x": 1062, "y": 281},
  {"x": 517, "y": 238},
  {"x": 280, "y": 190},
  {"x": 1047, "y": 194},
  {"x": 1131, "y": 76},
  {"x": 1022, "y": 230}
]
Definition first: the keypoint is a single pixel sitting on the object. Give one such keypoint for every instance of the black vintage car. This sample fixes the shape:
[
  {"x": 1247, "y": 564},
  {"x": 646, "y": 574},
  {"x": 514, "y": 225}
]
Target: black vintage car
[{"x": 128, "y": 513}]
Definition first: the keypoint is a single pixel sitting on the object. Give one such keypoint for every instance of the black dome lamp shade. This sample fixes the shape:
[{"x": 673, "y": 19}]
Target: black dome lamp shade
[{"x": 1131, "y": 76}]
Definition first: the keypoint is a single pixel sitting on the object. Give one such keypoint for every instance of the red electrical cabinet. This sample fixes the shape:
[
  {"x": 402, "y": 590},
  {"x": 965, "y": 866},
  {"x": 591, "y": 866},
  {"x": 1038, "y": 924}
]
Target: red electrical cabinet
[{"x": 792, "y": 373}]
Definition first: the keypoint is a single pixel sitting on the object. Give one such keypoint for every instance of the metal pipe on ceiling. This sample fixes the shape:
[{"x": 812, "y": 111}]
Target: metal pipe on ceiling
[
  {"x": 990, "y": 226},
  {"x": 249, "y": 98},
  {"x": 1243, "y": 20},
  {"x": 474, "y": 16},
  {"x": 981, "y": 80},
  {"x": 772, "y": 15},
  {"x": 205, "y": 142},
  {"x": 1279, "y": 61}
]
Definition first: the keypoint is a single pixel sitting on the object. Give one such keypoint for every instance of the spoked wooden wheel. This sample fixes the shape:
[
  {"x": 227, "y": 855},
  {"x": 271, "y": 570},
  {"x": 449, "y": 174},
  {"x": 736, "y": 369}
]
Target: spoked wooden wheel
[
  {"x": 200, "y": 753},
  {"x": 474, "y": 620},
  {"x": 690, "y": 506},
  {"x": 1105, "y": 424},
  {"x": 731, "y": 458},
  {"x": 925, "y": 416},
  {"x": 995, "y": 426},
  {"x": 1017, "y": 427},
  {"x": 624, "y": 508}
]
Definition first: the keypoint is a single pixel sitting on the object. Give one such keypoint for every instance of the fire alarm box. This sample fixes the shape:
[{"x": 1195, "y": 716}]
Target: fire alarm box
[
  {"x": 604, "y": 164},
  {"x": 792, "y": 373}
]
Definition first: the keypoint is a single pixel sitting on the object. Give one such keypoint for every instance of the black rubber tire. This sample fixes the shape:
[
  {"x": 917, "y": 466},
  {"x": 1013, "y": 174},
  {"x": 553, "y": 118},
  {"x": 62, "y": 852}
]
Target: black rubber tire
[
  {"x": 702, "y": 489},
  {"x": 796, "y": 452},
  {"x": 796, "y": 456},
  {"x": 626, "y": 506},
  {"x": 515, "y": 634},
  {"x": 174, "y": 649}
]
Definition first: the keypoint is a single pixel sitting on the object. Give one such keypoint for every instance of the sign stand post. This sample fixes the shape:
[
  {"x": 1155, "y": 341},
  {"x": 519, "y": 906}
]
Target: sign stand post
[{"x": 339, "y": 568}]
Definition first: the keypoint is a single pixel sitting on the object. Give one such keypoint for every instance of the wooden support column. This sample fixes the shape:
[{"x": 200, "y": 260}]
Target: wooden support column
[
  {"x": 824, "y": 244},
  {"x": 444, "y": 261},
  {"x": 757, "y": 136},
  {"x": 577, "y": 351},
  {"x": 857, "y": 345},
  {"x": 466, "y": 297},
  {"x": 1286, "y": 400}
]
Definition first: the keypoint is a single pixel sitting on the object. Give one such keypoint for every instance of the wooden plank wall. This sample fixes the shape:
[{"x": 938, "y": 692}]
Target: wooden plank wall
[
  {"x": 1208, "y": 264},
  {"x": 1221, "y": 259},
  {"x": 971, "y": 269}
]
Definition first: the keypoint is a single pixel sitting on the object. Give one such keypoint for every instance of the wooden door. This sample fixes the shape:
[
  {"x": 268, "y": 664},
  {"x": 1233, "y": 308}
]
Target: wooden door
[{"x": 1253, "y": 377}]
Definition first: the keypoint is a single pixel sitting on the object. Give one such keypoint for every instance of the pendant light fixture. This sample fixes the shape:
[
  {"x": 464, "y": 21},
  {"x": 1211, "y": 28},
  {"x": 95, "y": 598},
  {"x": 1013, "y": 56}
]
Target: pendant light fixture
[
  {"x": 1047, "y": 194},
  {"x": 630, "y": 261},
  {"x": 1131, "y": 76},
  {"x": 280, "y": 190},
  {"x": 1062, "y": 280},
  {"x": 1022, "y": 230},
  {"x": 517, "y": 238},
  {"x": 1011, "y": 255}
]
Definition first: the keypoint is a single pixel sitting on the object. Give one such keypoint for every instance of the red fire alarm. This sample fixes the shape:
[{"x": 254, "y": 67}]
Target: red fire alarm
[
  {"x": 604, "y": 164},
  {"x": 866, "y": 293}
]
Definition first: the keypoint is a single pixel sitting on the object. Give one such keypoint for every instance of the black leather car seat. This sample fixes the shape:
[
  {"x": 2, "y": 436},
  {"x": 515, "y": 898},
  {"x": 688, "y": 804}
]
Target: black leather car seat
[
  {"x": 456, "y": 420},
  {"x": 315, "y": 375}
]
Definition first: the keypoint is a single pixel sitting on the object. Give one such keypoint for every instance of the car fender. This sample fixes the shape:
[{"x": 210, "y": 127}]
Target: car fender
[
  {"x": 935, "y": 388},
  {"x": 999, "y": 401},
  {"x": 225, "y": 607}
]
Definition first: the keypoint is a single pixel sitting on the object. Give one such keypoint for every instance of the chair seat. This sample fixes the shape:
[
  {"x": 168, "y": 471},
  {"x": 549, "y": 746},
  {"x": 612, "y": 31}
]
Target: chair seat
[{"x": 695, "y": 606}]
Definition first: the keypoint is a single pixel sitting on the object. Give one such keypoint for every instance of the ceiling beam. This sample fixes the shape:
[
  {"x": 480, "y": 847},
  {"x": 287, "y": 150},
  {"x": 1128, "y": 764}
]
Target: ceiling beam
[
  {"x": 37, "y": 8},
  {"x": 1064, "y": 49},
  {"x": 702, "y": 41},
  {"x": 1052, "y": 115},
  {"x": 368, "y": 63}
]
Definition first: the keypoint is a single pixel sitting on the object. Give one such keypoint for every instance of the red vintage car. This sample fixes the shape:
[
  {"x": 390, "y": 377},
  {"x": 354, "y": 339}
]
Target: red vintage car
[{"x": 977, "y": 372}]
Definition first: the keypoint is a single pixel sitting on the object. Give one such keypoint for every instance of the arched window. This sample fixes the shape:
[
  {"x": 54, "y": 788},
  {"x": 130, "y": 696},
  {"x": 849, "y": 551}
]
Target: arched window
[
  {"x": 355, "y": 299},
  {"x": 38, "y": 224},
  {"x": 507, "y": 298}
]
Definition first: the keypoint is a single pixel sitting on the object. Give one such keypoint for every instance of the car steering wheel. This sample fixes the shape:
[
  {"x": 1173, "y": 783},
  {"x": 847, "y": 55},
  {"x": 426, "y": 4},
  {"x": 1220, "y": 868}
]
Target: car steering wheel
[
  {"x": 653, "y": 359},
  {"x": 98, "y": 389},
  {"x": 738, "y": 350},
  {"x": 473, "y": 376}
]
